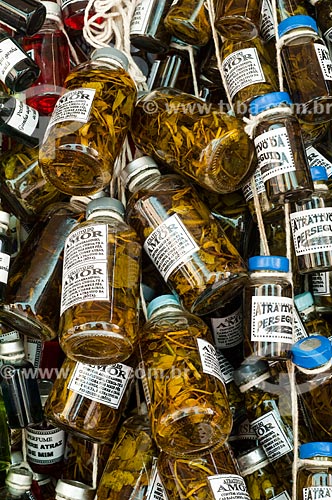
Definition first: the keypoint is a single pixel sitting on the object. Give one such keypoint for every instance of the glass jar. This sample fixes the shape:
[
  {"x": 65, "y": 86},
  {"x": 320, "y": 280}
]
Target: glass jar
[
  {"x": 247, "y": 72},
  {"x": 184, "y": 388},
  {"x": 314, "y": 478},
  {"x": 147, "y": 29},
  {"x": 238, "y": 20},
  {"x": 67, "y": 489},
  {"x": 313, "y": 357},
  {"x": 89, "y": 400},
  {"x": 18, "y": 484},
  {"x": 262, "y": 481},
  {"x": 212, "y": 476},
  {"x": 311, "y": 226},
  {"x": 184, "y": 241},
  {"x": 194, "y": 139},
  {"x": 323, "y": 11},
  {"x": 189, "y": 21},
  {"x": 78, "y": 158},
  {"x": 307, "y": 67},
  {"x": 268, "y": 308},
  {"x": 314, "y": 323},
  {"x": 100, "y": 286}
]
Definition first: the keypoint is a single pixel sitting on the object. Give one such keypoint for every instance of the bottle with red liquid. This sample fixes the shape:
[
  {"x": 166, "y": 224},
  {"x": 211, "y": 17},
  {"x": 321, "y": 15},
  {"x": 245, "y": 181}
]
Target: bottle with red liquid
[
  {"x": 73, "y": 13},
  {"x": 50, "y": 50}
]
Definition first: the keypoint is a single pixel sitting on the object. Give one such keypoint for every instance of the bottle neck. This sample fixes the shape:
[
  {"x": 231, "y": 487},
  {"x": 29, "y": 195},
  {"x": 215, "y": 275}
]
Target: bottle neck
[
  {"x": 166, "y": 309},
  {"x": 105, "y": 213},
  {"x": 143, "y": 180}
]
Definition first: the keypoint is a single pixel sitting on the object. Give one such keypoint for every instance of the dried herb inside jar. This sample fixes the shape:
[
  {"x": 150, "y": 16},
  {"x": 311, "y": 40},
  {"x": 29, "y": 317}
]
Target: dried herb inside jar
[{"x": 189, "y": 21}]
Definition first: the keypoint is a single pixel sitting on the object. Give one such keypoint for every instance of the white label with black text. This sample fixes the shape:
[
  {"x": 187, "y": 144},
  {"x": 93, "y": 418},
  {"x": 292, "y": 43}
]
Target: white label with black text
[
  {"x": 266, "y": 21},
  {"x": 209, "y": 360},
  {"x": 312, "y": 230},
  {"x": 9, "y": 336},
  {"x": 225, "y": 367},
  {"x": 228, "y": 487},
  {"x": 45, "y": 446},
  {"x": 328, "y": 35},
  {"x": 105, "y": 384},
  {"x": 259, "y": 184},
  {"x": 170, "y": 245},
  {"x": 298, "y": 327},
  {"x": 10, "y": 54},
  {"x": 85, "y": 274},
  {"x": 320, "y": 283},
  {"x": 272, "y": 319},
  {"x": 274, "y": 153},
  {"x": 34, "y": 351},
  {"x": 284, "y": 495},
  {"x": 317, "y": 492},
  {"x": 271, "y": 435},
  {"x": 324, "y": 60},
  {"x": 156, "y": 489},
  {"x": 139, "y": 20},
  {"x": 24, "y": 118},
  {"x": 241, "y": 69},
  {"x": 228, "y": 331},
  {"x": 316, "y": 158},
  {"x": 4, "y": 267}
]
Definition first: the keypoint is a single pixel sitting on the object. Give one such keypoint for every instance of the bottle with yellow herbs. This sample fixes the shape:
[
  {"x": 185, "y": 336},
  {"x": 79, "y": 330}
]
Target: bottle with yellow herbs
[
  {"x": 184, "y": 388},
  {"x": 314, "y": 474},
  {"x": 181, "y": 237},
  {"x": 89, "y": 124},
  {"x": 189, "y": 21},
  {"x": 100, "y": 286},
  {"x": 238, "y": 20}
]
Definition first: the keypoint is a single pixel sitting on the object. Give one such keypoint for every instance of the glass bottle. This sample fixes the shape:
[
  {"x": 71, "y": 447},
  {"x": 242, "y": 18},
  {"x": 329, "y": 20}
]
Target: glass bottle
[
  {"x": 184, "y": 388},
  {"x": 314, "y": 323},
  {"x": 189, "y": 21},
  {"x": 73, "y": 12},
  {"x": 17, "y": 70},
  {"x": 262, "y": 481},
  {"x": 18, "y": 484},
  {"x": 45, "y": 443},
  {"x": 314, "y": 479},
  {"x": 67, "y": 489},
  {"x": 321, "y": 287},
  {"x": 212, "y": 476},
  {"x": 97, "y": 111},
  {"x": 5, "y": 252},
  {"x": 100, "y": 286},
  {"x": 32, "y": 302},
  {"x": 323, "y": 18},
  {"x": 238, "y": 20},
  {"x": 184, "y": 241},
  {"x": 88, "y": 400},
  {"x": 307, "y": 68},
  {"x": 311, "y": 226},
  {"x": 42, "y": 487},
  {"x": 5, "y": 448},
  {"x": 20, "y": 121},
  {"x": 24, "y": 16},
  {"x": 280, "y": 150},
  {"x": 235, "y": 397},
  {"x": 22, "y": 185},
  {"x": 50, "y": 50},
  {"x": 129, "y": 464},
  {"x": 312, "y": 357},
  {"x": 269, "y": 412},
  {"x": 147, "y": 30},
  {"x": 247, "y": 72},
  {"x": 316, "y": 158},
  {"x": 19, "y": 386},
  {"x": 268, "y": 308},
  {"x": 214, "y": 151}
]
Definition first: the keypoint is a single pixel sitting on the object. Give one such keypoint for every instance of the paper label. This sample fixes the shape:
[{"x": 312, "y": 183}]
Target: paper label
[
  {"x": 45, "y": 446},
  {"x": 85, "y": 274},
  {"x": 274, "y": 153},
  {"x": 315, "y": 158},
  {"x": 105, "y": 384},
  {"x": 260, "y": 186},
  {"x": 9, "y": 336},
  {"x": 170, "y": 245},
  {"x": 241, "y": 69},
  {"x": 298, "y": 327},
  {"x": 140, "y": 19},
  {"x": 324, "y": 60},
  {"x": 228, "y": 331},
  {"x": 225, "y": 367},
  {"x": 282, "y": 496},
  {"x": 34, "y": 351},
  {"x": 209, "y": 360},
  {"x": 312, "y": 230},
  {"x": 266, "y": 22},
  {"x": 320, "y": 283},
  {"x": 74, "y": 105},
  {"x": 317, "y": 492},
  {"x": 24, "y": 118},
  {"x": 156, "y": 490},
  {"x": 245, "y": 431},
  {"x": 10, "y": 54},
  {"x": 4, "y": 267},
  {"x": 228, "y": 487},
  {"x": 328, "y": 35},
  {"x": 272, "y": 319},
  {"x": 271, "y": 435}
]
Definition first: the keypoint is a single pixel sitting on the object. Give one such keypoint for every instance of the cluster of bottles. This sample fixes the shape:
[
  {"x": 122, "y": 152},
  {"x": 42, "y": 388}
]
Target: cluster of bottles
[{"x": 165, "y": 321}]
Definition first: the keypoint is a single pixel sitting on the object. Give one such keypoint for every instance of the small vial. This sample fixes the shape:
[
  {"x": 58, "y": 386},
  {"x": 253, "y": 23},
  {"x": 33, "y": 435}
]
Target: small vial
[
  {"x": 147, "y": 30},
  {"x": 316, "y": 477}
]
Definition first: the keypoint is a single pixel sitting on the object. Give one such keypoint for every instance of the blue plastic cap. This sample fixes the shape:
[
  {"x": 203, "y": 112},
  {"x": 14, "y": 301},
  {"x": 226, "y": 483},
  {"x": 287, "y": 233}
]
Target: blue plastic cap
[
  {"x": 268, "y": 263},
  {"x": 298, "y": 21},
  {"x": 311, "y": 352},
  {"x": 267, "y": 101},
  {"x": 162, "y": 300},
  {"x": 303, "y": 301},
  {"x": 315, "y": 449},
  {"x": 319, "y": 173}
]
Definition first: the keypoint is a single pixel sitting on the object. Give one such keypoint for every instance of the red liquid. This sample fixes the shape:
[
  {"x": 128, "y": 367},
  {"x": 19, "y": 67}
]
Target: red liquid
[
  {"x": 73, "y": 14},
  {"x": 51, "y": 53}
]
